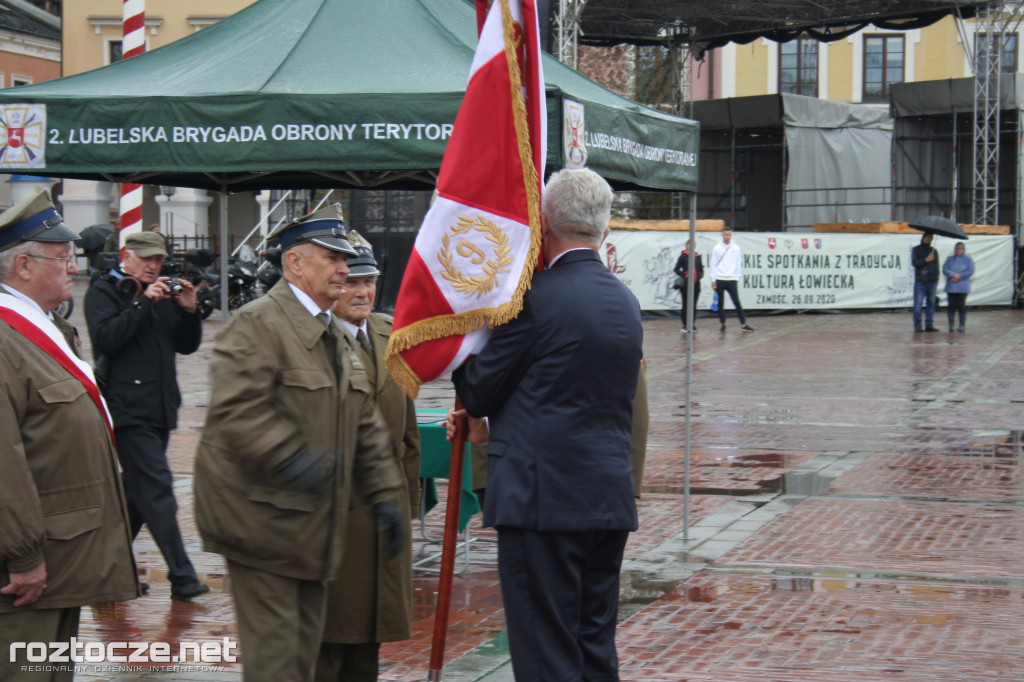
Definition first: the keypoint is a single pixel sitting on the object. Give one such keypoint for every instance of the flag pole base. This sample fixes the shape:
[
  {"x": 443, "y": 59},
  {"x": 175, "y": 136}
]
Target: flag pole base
[{"x": 434, "y": 676}]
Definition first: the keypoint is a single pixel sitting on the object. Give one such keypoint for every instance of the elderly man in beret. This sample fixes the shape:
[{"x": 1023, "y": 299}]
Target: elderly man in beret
[
  {"x": 291, "y": 428},
  {"x": 138, "y": 321},
  {"x": 64, "y": 539}
]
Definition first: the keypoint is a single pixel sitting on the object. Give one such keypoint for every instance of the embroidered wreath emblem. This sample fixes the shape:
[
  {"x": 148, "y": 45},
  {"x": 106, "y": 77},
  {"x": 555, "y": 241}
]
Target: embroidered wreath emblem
[{"x": 498, "y": 261}]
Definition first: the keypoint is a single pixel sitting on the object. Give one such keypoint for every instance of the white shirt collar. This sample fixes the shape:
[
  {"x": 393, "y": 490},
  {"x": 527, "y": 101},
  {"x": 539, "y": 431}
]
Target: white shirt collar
[
  {"x": 308, "y": 302},
  {"x": 576, "y": 248},
  {"x": 17, "y": 294},
  {"x": 353, "y": 328}
]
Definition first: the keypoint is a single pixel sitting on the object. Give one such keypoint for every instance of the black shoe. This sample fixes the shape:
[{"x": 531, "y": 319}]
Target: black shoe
[
  {"x": 930, "y": 329},
  {"x": 959, "y": 329},
  {"x": 722, "y": 329},
  {"x": 917, "y": 330},
  {"x": 189, "y": 590},
  {"x": 747, "y": 328},
  {"x": 143, "y": 588}
]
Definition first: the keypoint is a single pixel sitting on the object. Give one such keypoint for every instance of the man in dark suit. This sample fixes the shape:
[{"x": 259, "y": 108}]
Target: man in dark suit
[{"x": 557, "y": 385}]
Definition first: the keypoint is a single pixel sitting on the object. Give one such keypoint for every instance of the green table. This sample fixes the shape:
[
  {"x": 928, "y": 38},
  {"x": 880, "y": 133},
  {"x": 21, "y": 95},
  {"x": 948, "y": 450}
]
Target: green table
[{"x": 435, "y": 462}]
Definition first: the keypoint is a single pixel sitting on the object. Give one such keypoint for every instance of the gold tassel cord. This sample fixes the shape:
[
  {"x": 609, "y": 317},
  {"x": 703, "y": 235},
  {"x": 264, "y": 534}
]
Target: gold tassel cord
[
  {"x": 434, "y": 328},
  {"x": 511, "y": 309}
]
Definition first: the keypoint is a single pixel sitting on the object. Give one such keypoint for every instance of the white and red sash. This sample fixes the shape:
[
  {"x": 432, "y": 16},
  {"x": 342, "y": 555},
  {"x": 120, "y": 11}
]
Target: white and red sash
[{"x": 34, "y": 326}]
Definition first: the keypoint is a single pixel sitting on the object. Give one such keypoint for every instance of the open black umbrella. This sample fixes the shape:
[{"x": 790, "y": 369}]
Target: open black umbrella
[
  {"x": 936, "y": 224},
  {"x": 93, "y": 237}
]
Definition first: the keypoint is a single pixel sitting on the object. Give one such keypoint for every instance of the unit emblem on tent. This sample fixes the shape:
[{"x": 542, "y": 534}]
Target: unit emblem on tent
[{"x": 23, "y": 136}]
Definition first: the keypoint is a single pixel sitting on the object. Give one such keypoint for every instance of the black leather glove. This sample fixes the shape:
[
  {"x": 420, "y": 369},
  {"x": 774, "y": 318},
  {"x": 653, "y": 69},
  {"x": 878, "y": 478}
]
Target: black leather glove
[
  {"x": 391, "y": 522},
  {"x": 307, "y": 471}
]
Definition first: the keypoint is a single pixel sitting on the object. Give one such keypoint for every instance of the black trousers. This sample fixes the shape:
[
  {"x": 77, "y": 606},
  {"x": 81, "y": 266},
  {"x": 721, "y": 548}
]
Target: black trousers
[
  {"x": 149, "y": 488},
  {"x": 561, "y": 595},
  {"x": 682, "y": 312},
  {"x": 957, "y": 304},
  {"x": 348, "y": 662},
  {"x": 731, "y": 286}
]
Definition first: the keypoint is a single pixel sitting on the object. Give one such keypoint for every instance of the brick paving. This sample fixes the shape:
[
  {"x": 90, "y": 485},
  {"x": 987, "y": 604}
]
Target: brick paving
[{"x": 856, "y": 513}]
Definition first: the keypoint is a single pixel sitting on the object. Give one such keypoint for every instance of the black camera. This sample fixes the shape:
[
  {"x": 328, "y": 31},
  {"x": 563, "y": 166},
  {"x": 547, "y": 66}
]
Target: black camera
[{"x": 174, "y": 286}]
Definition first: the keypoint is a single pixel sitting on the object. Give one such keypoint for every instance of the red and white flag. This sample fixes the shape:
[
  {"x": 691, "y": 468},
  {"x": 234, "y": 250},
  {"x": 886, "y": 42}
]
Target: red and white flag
[{"x": 477, "y": 249}]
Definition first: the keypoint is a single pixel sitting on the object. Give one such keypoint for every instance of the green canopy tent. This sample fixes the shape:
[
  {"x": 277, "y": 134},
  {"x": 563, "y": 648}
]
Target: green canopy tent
[{"x": 315, "y": 94}]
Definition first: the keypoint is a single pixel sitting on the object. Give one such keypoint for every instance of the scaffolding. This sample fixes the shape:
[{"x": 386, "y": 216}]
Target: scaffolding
[
  {"x": 567, "y": 31},
  {"x": 993, "y": 24}
]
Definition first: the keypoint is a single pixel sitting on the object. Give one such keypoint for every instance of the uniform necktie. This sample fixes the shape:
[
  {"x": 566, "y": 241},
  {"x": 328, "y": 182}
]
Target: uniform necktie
[
  {"x": 332, "y": 340},
  {"x": 365, "y": 344}
]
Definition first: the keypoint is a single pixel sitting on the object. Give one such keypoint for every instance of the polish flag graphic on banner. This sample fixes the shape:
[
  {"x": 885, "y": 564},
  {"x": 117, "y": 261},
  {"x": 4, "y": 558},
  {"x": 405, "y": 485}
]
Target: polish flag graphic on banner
[{"x": 477, "y": 249}]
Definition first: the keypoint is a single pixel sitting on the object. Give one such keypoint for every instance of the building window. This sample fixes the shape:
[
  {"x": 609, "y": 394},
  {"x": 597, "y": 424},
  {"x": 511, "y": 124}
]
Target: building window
[
  {"x": 113, "y": 51},
  {"x": 883, "y": 65},
  {"x": 20, "y": 80},
  {"x": 798, "y": 67},
  {"x": 1007, "y": 46}
]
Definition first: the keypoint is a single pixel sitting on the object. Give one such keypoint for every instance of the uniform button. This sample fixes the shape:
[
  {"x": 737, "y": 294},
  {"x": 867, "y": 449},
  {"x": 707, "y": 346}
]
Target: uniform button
[{"x": 137, "y": 381}]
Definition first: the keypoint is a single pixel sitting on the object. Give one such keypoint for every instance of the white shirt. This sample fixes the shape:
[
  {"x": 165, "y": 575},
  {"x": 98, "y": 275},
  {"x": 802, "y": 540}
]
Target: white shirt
[
  {"x": 575, "y": 248},
  {"x": 308, "y": 302},
  {"x": 354, "y": 329},
  {"x": 726, "y": 262},
  {"x": 17, "y": 294}
]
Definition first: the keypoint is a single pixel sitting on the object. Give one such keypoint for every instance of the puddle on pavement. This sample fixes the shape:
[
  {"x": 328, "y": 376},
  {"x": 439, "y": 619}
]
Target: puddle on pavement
[
  {"x": 1009, "y": 446},
  {"x": 767, "y": 459},
  {"x": 706, "y": 593},
  {"x": 792, "y": 482}
]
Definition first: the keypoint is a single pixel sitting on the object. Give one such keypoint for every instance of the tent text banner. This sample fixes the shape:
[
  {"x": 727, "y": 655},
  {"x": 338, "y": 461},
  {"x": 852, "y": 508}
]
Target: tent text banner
[
  {"x": 251, "y": 102},
  {"x": 806, "y": 271}
]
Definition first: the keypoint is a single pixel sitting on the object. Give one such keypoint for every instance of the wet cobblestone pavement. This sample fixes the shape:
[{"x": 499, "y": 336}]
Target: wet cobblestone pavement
[{"x": 856, "y": 513}]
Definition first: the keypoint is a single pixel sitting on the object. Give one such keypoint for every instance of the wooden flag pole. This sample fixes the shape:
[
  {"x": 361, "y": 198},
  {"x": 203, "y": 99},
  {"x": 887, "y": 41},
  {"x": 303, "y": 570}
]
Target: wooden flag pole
[{"x": 451, "y": 539}]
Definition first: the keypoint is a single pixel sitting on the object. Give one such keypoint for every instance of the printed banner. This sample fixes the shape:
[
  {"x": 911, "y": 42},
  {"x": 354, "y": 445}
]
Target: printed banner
[
  {"x": 22, "y": 136},
  {"x": 806, "y": 271}
]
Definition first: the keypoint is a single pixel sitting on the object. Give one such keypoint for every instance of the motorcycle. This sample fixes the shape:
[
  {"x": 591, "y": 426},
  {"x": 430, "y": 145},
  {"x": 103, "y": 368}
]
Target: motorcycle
[
  {"x": 199, "y": 270},
  {"x": 270, "y": 269},
  {"x": 206, "y": 279},
  {"x": 241, "y": 283}
]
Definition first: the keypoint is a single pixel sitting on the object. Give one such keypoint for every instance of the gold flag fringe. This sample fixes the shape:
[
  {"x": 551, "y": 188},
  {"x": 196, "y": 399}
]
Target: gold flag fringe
[{"x": 433, "y": 328}]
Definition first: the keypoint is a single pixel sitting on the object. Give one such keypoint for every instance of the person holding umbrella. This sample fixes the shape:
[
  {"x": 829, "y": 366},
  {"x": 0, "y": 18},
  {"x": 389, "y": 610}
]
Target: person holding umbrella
[
  {"x": 925, "y": 260},
  {"x": 958, "y": 269}
]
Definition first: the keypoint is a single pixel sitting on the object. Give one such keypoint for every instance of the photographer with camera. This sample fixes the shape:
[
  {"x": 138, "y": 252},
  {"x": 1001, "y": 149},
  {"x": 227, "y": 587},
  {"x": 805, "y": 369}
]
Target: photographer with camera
[{"x": 137, "y": 321}]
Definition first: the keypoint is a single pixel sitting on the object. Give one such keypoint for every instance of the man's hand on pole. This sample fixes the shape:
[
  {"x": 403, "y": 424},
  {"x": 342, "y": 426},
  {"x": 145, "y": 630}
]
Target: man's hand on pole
[{"x": 478, "y": 430}]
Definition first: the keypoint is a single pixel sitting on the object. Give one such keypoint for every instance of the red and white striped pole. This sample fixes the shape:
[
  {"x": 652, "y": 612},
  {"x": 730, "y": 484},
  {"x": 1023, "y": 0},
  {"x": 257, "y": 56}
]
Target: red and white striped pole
[{"x": 133, "y": 42}]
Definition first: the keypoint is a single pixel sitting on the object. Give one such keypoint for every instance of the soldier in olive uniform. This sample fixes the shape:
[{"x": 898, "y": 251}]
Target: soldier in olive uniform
[
  {"x": 64, "y": 539},
  {"x": 372, "y": 602},
  {"x": 292, "y": 427}
]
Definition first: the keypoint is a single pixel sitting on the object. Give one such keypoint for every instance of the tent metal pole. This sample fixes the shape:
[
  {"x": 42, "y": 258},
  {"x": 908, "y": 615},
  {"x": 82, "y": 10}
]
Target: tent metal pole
[
  {"x": 223, "y": 231},
  {"x": 692, "y": 239}
]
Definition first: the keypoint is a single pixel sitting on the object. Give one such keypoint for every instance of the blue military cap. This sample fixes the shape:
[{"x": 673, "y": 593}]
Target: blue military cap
[
  {"x": 33, "y": 220},
  {"x": 324, "y": 228},
  {"x": 364, "y": 264}
]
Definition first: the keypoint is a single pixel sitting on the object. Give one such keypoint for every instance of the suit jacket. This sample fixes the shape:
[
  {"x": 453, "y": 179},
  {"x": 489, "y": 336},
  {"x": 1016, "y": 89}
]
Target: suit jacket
[
  {"x": 557, "y": 383},
  {"x": 280, "y": 383},
  {"x": 138, "y": 340}
]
